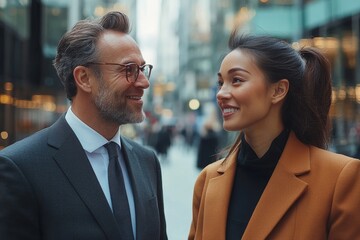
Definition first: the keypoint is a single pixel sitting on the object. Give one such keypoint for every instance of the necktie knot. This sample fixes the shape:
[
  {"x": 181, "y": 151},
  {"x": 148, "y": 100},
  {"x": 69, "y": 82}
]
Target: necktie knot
[{"x": 111, "y": 147}]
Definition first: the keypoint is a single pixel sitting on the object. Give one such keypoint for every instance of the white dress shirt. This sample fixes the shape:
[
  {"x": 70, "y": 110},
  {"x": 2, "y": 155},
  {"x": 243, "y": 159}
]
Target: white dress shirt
[{"x": 93, "y": 144}]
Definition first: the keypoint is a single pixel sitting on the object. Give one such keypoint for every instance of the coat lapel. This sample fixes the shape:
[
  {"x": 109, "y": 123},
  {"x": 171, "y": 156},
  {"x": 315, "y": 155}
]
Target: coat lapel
[
  {"x": 282, "y": 190},
  {"x": 217, "y": 200},
  {"x": 72, "y": 160}
]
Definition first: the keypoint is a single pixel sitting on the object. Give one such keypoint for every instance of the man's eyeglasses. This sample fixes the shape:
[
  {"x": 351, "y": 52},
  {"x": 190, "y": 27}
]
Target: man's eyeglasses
[{"x": 132, "y": 70}]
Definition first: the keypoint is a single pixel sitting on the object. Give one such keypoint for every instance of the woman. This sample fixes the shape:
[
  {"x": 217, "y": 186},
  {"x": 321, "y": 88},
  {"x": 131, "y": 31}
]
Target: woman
[{"x": 277, "y": 181}]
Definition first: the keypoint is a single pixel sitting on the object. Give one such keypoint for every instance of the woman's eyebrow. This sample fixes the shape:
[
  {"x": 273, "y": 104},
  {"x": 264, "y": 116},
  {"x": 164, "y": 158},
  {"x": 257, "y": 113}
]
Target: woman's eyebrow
[
  {"x": 234, "y": 70},
  {"x": 238, "y": 69}
]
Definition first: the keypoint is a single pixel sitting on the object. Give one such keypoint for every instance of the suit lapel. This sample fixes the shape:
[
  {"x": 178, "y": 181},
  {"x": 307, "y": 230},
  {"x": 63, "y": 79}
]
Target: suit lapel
[
  {"x": 142, "y": 193},
  {"x": 282, "y": 190},
  {"x": 217, "y": 200},
  {"x": 72, "y": 160}
]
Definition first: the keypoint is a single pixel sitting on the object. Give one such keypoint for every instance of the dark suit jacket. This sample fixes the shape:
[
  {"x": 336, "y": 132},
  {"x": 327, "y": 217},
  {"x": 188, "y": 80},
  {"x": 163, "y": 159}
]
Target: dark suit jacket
[
  {"x": 312, "y": 194},
  {"x": 48, "y": 190}
]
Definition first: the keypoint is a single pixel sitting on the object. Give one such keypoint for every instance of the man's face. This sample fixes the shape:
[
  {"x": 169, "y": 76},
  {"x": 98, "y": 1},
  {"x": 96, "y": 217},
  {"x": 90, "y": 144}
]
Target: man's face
[{"x": 116, "y": 99}]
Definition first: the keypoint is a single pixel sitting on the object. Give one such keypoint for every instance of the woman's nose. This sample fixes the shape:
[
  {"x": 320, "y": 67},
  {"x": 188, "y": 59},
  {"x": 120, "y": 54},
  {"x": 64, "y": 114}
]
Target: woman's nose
[{"x": 223, "y": 93}]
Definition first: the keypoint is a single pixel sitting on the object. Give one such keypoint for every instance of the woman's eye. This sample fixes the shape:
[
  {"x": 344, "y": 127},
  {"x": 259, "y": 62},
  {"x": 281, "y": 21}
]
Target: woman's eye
[
  {"x": 237, "y": 80},
  {"x": 220, "y": 83}
]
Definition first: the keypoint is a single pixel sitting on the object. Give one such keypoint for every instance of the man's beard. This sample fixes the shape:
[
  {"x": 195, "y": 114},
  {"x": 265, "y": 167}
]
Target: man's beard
[{"x": 112, "y": 111}]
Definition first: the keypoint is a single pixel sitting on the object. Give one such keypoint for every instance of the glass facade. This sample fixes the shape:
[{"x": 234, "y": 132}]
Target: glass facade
[
  {"x": 193, "y": 32},
  {"x": 31, "y": 96},
  {"x": 337, "y": 33}
]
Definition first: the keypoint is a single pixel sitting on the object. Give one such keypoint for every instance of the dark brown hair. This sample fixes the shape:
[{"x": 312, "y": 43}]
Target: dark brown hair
[
  {"x": 78, "y": 46},
  {"x": 307, "y": 104}
]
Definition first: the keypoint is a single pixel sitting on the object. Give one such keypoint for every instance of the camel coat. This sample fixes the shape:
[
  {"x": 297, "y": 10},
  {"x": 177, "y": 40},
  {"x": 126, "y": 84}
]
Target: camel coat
[{"x": 313, "y": 194}]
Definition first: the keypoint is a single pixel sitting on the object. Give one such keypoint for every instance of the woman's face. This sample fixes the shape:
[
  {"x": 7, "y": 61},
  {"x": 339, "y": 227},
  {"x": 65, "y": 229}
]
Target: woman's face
[{"x": 244, "y": 95}]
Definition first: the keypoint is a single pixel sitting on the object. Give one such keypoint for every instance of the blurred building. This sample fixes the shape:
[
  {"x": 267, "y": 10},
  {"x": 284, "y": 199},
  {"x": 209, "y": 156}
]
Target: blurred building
[
  {"x": 191, "y": 41},
  {"x": 333, "y": 26},
  {"x": 203, "y": 28},
  {"x": 31, "y": 96}
]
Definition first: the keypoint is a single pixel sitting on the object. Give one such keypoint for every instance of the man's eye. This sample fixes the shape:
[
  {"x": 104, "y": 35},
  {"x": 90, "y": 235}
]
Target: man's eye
[{"x": 131, "y": 70}]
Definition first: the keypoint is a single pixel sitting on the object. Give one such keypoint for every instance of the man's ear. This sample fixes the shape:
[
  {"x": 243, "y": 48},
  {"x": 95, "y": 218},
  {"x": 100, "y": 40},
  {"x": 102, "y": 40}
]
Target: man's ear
[
  {"x": 82, "y": 78},
  {"x": 281, "y": 88}
]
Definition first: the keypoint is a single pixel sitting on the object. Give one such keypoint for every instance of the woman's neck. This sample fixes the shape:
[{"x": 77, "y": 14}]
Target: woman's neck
[{"x": 260, "y": 141}]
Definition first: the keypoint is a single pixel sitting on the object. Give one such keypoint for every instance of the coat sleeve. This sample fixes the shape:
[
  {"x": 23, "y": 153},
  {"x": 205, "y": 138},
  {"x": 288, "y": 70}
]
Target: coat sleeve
[
  {"x": 18, "y": 211},
  {"x": 345, "y": 218}
]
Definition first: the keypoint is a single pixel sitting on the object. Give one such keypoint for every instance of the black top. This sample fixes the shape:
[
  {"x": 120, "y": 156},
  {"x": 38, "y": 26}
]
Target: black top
[{"x": 251, "y": 177}]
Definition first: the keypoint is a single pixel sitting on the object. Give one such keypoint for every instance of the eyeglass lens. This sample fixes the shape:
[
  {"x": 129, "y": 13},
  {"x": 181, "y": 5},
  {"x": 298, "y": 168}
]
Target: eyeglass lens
[{"x": 132, "y": 72}]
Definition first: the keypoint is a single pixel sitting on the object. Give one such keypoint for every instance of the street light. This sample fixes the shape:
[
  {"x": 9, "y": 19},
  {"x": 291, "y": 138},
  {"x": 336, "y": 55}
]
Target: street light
[{"x": 194, "y": 104}]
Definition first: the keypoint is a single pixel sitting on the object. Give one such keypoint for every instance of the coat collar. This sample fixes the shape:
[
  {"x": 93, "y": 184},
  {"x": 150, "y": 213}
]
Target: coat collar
[
  {"x": 283, "y": 189},
  {"x": 217, "y": 200}
]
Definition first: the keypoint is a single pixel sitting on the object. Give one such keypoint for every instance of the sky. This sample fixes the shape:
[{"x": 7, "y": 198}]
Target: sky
[{"x": 148, "y": 13}]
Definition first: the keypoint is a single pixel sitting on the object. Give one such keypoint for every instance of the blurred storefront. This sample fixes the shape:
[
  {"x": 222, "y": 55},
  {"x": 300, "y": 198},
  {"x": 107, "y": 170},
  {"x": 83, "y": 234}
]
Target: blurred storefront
[
  {"x": 338, "y": 35},
  {"x": 332, "y": 25},
  {"x": 191, "y": 42},
  {"x": 31, "y": 96}
]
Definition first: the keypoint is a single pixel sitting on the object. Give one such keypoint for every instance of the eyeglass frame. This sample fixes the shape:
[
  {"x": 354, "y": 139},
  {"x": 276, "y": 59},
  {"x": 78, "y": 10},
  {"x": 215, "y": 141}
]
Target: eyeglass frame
[{"x": 142, "y": 67}]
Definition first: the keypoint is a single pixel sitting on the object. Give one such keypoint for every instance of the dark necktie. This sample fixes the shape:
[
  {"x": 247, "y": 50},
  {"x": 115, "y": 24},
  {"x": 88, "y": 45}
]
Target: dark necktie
[{"x": 119, "y": 199}]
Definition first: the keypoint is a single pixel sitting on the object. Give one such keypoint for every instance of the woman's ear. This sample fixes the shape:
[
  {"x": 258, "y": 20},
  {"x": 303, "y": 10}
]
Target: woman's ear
[
  {"x": 281, "y": 88},
  {"x": 82, "y": 78}
]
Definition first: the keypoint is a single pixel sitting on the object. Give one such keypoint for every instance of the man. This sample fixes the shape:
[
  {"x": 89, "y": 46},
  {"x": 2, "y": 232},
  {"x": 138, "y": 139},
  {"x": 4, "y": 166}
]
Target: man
[{"x": 59, "y": 183}]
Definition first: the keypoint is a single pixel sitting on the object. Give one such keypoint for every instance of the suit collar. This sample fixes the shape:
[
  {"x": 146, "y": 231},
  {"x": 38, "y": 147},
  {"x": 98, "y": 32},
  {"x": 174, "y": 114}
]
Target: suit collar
[
  {"x": 139, "y": 181},
  {"x": 282, "y": 190},
  {"x": 72, "y": 160},
  {"x": 90, "y": 139}
]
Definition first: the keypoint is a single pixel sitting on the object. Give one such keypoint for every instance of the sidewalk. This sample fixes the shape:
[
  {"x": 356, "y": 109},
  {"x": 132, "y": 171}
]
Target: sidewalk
[{"x": 179, "y": 175}]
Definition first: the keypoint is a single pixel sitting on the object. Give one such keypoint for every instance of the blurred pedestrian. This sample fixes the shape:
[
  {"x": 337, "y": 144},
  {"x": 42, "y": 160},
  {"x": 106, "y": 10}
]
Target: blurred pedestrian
[
  {"x": 208, "y": 146},
  {"x": 163, "y": 142},
  {"x": 277, "y": 181},
  {"x": 79, "y": 178},
  {"x": 188, "y": 131}
]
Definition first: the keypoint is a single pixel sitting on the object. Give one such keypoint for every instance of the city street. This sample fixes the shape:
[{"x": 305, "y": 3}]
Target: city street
[{"x": 179, "y": 175}]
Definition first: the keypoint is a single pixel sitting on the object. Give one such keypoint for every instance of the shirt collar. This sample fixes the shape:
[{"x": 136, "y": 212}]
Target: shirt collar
[
  {"x": 247, "y": 157},
  {"x": 88, "y": 137}
]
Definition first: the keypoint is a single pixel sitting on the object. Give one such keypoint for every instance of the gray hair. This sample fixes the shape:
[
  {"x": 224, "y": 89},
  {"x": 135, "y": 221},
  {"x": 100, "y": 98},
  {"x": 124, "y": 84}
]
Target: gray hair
[{"x": 78, "y": 46}]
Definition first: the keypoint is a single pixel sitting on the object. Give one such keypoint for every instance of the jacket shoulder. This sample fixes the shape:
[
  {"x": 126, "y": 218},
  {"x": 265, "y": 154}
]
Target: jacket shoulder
[
  {"x": 329, "y": 158},
  {"x": 137, "y": 147},
  {"x": 27, "y": 145}
]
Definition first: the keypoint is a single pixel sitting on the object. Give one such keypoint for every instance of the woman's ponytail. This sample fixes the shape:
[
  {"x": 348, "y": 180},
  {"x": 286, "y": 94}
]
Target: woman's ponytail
[{"x": 317, "y": 91}]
